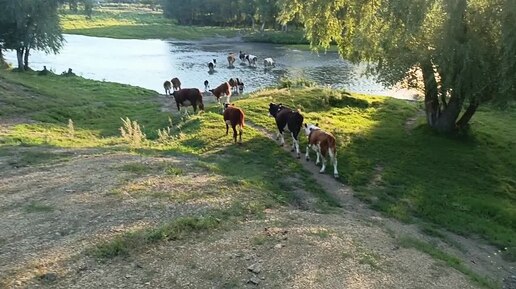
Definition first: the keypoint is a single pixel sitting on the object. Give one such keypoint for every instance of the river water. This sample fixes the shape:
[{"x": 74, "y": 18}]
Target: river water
[{"x": 148, "y": 63}]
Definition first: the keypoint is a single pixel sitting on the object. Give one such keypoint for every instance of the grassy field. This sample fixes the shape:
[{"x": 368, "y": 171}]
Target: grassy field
[
  {"x": 463, "y": 184},
  {"x": 130, "y": 22}
]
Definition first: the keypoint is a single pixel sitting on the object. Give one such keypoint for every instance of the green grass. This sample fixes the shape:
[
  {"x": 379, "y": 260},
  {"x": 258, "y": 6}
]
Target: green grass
[
  {"x": 452, "y": 261},
  {"x": 95, "y": 107},
  {"x": 176, "y": 229},
  {"x": 36, "y": 207},
  {"x": 133, "y": 23},
  {"x": 463, "y": 184}
]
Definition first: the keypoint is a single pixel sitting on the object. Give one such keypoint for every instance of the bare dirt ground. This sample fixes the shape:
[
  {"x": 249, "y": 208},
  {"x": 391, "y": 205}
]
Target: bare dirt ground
[{"x": 53, "y": 212}]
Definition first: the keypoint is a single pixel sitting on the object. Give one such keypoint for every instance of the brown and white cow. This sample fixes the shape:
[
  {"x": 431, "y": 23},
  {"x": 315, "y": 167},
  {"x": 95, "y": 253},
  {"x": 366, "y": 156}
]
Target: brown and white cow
[
  {"x": 167, "y": 86},
  {"x": 188, "y": 97},
  {"x": 234, "y": 116},
  {"x": 223, "y": 89},
  {"x": 287, "y": 118},
  {"x": 324, "y": 145},
  {"x": 176, "y": 84}
]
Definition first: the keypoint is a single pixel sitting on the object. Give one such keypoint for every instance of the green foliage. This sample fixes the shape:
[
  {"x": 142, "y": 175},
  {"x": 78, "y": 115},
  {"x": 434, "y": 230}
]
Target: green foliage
[{"x": 456, "y": 46}]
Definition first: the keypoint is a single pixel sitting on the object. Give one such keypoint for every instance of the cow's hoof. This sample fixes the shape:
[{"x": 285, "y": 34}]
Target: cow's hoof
[
  {"x": 292, "y": 150},
  {"x": 321, "y": 172},
  {"x": 307, "y": 159},
  {"x": 298, "y": 157}
]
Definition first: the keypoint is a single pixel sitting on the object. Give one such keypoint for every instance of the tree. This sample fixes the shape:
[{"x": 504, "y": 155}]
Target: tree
[
  {"x": 463, "y": 49},
  {"x": 30, "y": 24}
]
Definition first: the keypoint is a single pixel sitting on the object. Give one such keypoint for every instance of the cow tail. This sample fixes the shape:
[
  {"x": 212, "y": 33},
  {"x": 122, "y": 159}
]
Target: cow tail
[
  {"x": 332, "y": 150},
  {"x": 242, "y": 119}
]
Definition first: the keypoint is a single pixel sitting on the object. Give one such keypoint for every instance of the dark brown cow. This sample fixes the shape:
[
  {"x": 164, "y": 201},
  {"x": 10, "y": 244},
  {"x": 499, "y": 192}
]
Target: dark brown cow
[
  {"x": 167, "y": 86},
  {"x": 287, "y": 118},
  {"x": 324, "y": 145},
  {"x": 224, "y": 88},
  {"x": 176, "y": 84},
  {"x": 188, "y": 96},
  {"x": 234, "y": 116}
]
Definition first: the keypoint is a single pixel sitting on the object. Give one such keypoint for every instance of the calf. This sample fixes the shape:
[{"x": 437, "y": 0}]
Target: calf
[
  {"x": 176, "y": 84},
  {"x": 211, "y": 67},
  {"x": 234, "y": 116},
  {"x": 231, "y": 59},
  {"x": 233, "y": 83},
  {"x": 188, "y": 96},
  {"x": 269, "y": 62},
  {"x": 324, "y": 144},
  {"x": 206, "y": 85},
  {"x": 287, "y": 118},
  {"x": 251, "y": 59},
  {"x": 224, "y": 88},
  {"x": 167, "y": 86},
  {"x": 240, "y": 85}
]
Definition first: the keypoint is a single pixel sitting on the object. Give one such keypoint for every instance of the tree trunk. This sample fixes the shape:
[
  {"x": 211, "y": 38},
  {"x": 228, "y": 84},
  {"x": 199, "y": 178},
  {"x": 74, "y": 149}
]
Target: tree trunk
[
  {"x": 470, "y": 111},
  {"x": 431, "y": 100},
  {"x": 442, "y": 120},
  {"x": 446, "y": 121},
  {"x": 26, "y": 59},
  {"x": 19, "y": 56}
]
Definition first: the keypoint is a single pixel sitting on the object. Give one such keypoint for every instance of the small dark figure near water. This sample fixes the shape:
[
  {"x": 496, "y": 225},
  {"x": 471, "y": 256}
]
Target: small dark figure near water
[
  {"x": 206, "y": 85},
  {"x": 167, "y": 86}
]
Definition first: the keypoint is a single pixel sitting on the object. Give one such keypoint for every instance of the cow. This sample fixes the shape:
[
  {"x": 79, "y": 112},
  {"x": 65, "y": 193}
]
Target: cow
[
  {"x": 211, "y": 67},
  {"x": 269, "y": 62},
  {"x": 188, "y": 96},
  {"x": 233, "y": 82},
  {"x": 324, "y": 145},
  {"x": 240, "y": 85},
  {"x": 176, "y": 84},
  {"x": 234, "y": 116},
  {"x": 251, "y": 59},
  {"x": 241, "y": 56},
  {"x": 167, "y": 86},
  {"x": 224, "y": 88},
  {"x": 206, "y": 85},
  {"x": 231, "y": 60},
  {"x": 287, "y": 118}
]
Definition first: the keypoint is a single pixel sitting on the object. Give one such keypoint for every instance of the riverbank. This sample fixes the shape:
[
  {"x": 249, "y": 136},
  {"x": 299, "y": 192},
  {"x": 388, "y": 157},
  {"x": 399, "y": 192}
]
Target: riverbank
[
  {"x": 137, "y": 22},
  {"x": 460, "y": 185}
]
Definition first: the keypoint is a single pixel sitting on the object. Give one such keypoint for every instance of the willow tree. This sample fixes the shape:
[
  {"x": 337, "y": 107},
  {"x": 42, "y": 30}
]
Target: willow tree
[
  {"x": 464, "y": 50},
  {"x": 30, "y": 24}
]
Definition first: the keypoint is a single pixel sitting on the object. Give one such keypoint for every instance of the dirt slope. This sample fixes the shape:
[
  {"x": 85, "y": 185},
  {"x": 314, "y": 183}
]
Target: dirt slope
[{"x": 52, "y": 212}]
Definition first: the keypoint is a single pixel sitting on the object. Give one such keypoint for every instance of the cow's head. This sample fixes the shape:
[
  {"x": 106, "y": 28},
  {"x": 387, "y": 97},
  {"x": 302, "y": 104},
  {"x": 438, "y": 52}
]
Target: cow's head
[
  {"x": 274, "y": 109},
  {"x": 308, "y": 128}
]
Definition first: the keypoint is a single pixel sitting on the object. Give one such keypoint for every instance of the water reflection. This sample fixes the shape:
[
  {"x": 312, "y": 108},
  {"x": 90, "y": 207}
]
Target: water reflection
[{"x": 148, "y": 63}]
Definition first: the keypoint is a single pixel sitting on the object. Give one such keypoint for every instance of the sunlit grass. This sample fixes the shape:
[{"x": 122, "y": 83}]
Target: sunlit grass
[
  {"x": 464, "y": 184},
  {"x": 134, "y": 24}
]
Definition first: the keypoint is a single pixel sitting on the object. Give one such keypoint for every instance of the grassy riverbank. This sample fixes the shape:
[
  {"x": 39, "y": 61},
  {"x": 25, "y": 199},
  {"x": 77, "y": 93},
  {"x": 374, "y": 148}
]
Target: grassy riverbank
[
  {"x": 131, "y": 22},
  {"x": 394, "y": 163},
  {"x": 137, "y": 22}
]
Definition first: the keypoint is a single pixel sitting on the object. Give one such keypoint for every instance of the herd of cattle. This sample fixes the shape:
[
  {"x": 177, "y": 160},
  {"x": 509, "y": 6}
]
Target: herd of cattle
[{"x": 322, "y": 142}]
